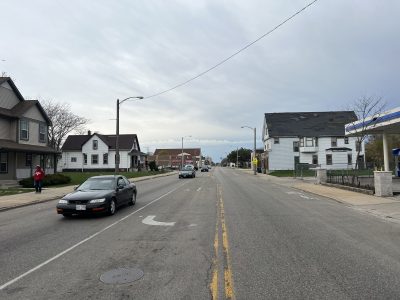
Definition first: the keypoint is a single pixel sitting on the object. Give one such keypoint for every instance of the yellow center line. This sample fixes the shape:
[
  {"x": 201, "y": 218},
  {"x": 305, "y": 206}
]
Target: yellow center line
[{"x": 225, "y": 260}]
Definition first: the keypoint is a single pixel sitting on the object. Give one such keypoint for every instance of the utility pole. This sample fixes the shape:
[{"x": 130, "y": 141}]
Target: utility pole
[{"x": 237, "y": 157}]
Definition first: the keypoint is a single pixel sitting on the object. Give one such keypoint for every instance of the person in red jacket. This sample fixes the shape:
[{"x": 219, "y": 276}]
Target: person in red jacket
[{"x": 38, "y": 176}]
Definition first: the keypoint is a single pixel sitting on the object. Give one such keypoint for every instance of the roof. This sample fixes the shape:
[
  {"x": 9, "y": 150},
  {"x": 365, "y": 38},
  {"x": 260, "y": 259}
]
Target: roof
[
  {"x": 13, "y": 86},
  {"x": 75, "y": 142},
  {"x": 14, "y": 146},
  {"x": 176, "y": 152},
  {"x": 23, "y": 106},
  {"x": 329, "y": 123}
]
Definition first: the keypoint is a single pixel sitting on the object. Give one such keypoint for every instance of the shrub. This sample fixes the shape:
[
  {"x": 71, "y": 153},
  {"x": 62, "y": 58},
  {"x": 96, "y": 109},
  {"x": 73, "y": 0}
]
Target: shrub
[
  {"x": 153, "y": 166},
  {"x": 48, "y": 180}
]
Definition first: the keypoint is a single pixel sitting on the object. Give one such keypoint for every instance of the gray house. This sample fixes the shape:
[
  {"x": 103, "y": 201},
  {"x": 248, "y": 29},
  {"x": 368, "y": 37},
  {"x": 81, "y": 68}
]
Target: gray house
[{"x": 23, "y": 135}]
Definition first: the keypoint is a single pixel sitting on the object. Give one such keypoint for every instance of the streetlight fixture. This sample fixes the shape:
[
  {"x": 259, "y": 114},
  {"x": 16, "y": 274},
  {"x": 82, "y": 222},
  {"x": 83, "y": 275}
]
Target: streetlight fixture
[
  {"x": 254, "y": 151},
  {"x": 117, "y": 160},
  {"x": 188, "y": 136}
]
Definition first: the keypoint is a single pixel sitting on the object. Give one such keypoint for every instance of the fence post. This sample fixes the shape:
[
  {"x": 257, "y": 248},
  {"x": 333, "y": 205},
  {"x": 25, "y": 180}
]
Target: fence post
[{"x": 322, "y": 176}]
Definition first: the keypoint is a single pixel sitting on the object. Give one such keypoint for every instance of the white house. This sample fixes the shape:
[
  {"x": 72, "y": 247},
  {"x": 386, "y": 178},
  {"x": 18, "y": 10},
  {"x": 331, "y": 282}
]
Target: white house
[
  {"x": 23, "y": 135},
  {"x": 97, "y": 152},
  {"x": 316, "y": 138}
]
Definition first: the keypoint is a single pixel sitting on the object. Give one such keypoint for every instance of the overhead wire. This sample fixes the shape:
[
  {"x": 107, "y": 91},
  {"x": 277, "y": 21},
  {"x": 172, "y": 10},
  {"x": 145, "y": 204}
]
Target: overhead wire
[{"x": 234, "y": 54}]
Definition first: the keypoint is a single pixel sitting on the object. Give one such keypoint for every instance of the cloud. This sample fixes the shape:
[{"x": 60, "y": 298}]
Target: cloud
[{"x": 90, "y": 53}]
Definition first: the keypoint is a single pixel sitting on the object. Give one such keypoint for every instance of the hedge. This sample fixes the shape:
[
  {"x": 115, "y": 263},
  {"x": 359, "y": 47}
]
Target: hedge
[{"x": 48, "y": 180}]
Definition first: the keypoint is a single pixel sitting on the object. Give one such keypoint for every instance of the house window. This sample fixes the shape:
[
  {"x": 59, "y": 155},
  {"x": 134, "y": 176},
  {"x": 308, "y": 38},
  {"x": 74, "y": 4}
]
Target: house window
[
  {"x": 95, "y": 144},
  {"x": 95, "y": 159},
  {"x": 329, "y": 159},
  {"x": 73, "y": 159},
  {"x": 24, "y": 130},
  {"x": 42, "y": 133},
  {"x": 276, "y": 140},
  {"x": 358, "y": 146},
  {"x": 301, "y": 142},
  {"x": 309, "y": 142},
  {"x": 346, "y": 140},
  {"x": 316, "y": 142},
  {"x": 295, "y": 146},
  {"x": 333, "y": 142},
  {"x": 349, "y": 159},
  {"x": 105, "y": 159},
  {"x": 4, "y": 162},
  {"x": 28, "y": 159},
  {"x": 315, "y": 159},
  {"x": 84, "y": 158}
]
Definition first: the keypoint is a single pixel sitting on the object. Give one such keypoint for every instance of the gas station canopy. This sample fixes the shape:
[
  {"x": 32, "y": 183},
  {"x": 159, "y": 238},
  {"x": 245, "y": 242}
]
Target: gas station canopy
[{"x": 386, "y": 122}]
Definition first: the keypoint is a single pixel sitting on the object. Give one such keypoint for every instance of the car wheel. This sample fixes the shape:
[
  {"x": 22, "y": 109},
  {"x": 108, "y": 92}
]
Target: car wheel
[
  {"x": 67, "y": 215},
  {"x": 112, "y": 208},
  {"x": 133, "y": 199}
]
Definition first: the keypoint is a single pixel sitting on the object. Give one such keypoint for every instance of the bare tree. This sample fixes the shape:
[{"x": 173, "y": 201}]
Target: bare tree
[
  {"x": 64, "y": 122},
  {"x": 365, "y": 107}
]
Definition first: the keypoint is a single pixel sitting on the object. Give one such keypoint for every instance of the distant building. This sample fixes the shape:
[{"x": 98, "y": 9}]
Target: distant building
[
  {"x": 172, "y": 158},
  {"x": 23, "y": 135},
  {"x": 97, "y": 152},
  {"x": 315, "y": 138}
]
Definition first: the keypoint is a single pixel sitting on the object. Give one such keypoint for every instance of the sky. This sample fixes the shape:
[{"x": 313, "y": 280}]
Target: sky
[{"x": 91, "y": 53}]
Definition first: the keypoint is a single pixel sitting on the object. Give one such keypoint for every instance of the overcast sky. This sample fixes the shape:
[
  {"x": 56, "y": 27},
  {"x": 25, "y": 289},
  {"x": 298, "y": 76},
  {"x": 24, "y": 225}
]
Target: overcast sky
[{"x": 89, "y": 53}]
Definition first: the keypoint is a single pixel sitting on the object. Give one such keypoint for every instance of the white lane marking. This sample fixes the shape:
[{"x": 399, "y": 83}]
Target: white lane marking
[
  {"x": 2, "y": 287},
  {"x": 192, "y": 225},
  {"x": 199, "y": 189},
  {"x": 149, "y": 220},
  {"x": 301, "y": 195}
]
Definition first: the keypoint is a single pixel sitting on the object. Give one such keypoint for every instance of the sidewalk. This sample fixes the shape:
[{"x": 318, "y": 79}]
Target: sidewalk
[
  {"x": 387, "y": 208},
  {"x": 48, "y": 194}
]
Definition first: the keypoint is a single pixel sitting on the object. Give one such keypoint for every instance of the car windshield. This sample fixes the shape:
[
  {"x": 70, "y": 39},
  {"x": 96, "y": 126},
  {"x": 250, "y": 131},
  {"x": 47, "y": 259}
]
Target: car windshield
[
  {"x": 97, "y": 184},
  {"x": 186, "y": 169}
]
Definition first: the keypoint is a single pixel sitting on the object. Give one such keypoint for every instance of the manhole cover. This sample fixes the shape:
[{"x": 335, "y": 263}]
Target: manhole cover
[{"x": 121, "y": 275}]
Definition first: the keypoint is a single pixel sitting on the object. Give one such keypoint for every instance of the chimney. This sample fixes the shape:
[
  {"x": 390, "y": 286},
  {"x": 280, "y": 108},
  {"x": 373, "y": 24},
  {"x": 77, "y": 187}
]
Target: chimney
[{"x": 89, "y": 132}]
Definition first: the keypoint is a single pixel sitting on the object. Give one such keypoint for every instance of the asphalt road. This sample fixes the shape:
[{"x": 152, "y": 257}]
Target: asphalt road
[{"x": 224, "y": 234}]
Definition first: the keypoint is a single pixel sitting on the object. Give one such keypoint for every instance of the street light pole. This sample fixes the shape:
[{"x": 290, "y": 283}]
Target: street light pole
[
  {"x": 182, "y": 150},
  {"x": 254, "y": 150},
  {"x": 117, "y": 158}
]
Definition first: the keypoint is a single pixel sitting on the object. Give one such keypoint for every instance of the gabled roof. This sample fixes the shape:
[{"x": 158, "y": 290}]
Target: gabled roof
[
  {"x": 14, "y": 88},
  {"x": 23, "y": 106},
  {"x": 176, "y": 152},
  {"x": 75, "y": 142},
  {"x": 312, "y": 124}
]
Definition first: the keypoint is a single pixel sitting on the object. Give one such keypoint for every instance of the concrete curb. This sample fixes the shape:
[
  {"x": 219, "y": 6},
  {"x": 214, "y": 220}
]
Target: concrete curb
[{"x": 137, "y": 179}]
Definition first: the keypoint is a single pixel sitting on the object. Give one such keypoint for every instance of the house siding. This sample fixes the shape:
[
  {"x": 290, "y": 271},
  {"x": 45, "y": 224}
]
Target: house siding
[
  {"x": 33, "y": 134},
  {"x": 8, "y": 99},
  {"x": 5, "y": 129},
  {"x": 281, "y": 156}
]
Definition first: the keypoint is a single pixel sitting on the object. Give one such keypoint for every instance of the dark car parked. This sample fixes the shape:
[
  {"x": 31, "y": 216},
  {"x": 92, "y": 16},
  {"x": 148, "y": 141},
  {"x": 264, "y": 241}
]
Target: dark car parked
[{"x": 98, "y": 194}]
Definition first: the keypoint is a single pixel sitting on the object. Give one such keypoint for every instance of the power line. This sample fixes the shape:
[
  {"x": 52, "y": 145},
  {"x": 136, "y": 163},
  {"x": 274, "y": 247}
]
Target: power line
[{"x": 234, "y": 54}]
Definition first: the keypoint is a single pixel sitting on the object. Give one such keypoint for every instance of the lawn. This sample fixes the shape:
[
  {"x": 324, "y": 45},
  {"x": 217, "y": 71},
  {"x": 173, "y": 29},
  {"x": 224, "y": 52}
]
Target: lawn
[
  {"x": 14, "y": 191},
  {"x": 79, "y": 177}
]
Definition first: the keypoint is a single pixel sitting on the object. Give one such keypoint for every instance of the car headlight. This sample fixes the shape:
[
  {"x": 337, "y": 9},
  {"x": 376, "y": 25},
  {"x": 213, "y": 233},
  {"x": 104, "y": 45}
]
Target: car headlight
[
  {"x": 97, "y": 200},
  {"x": 62, "y": 201}
]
